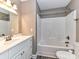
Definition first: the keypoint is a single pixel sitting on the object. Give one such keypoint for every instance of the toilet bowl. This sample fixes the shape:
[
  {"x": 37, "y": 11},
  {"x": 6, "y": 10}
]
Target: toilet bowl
[{"x": 65, "y": 55}]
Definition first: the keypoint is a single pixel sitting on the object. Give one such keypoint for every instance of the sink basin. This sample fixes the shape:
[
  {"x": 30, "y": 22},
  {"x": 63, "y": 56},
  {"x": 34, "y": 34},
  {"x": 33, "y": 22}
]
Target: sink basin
[
  {"x": 14, "y": 39},
  {"x": 2, "y": 43}
]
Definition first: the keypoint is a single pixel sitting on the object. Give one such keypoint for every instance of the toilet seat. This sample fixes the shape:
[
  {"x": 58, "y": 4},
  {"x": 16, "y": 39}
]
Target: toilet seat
[{"x": 65, "y": 55}]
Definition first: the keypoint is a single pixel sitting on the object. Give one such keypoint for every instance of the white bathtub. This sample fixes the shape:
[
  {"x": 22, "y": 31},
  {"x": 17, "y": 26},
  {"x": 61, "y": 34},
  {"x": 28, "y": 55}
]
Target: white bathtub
[{"x": 49, "y": 48}]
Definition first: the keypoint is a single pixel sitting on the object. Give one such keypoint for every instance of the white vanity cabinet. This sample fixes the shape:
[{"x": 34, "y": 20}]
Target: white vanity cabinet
[
  {"x": 22, "y": 50},
  {"x": 4, "y": 55}
]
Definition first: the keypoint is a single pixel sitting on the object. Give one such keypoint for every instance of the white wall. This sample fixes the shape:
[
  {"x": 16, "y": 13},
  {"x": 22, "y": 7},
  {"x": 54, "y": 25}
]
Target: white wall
[
  {"x": 4, "y": 27},
  {"x": 74, "y": 5},
  {"x": 71, "y": 26},
  {"x": 38, "y": 28},
  {"x": 28, "y": 17},
  {"x": 53, "y": 28}
]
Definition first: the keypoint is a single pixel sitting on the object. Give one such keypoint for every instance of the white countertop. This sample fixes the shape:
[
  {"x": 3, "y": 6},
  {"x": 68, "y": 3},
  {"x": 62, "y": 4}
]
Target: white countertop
[{"x": 9, "y": 44}]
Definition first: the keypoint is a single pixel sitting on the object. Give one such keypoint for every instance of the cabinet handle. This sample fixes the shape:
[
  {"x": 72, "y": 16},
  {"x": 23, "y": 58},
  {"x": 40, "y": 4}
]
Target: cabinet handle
[{"x": 23, "y": 52}]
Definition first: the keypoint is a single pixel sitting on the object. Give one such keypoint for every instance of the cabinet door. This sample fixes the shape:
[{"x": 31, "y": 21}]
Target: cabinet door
[
  {"x": 17, "y": 56},
  {"x": 28, "y": 50},
  {"x": 4, "y": 55},
  {"x": 29, "y": 53}
]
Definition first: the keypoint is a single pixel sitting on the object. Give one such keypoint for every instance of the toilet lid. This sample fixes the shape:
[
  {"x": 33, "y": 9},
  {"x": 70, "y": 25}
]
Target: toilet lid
[{"x": 65, "y": 55}]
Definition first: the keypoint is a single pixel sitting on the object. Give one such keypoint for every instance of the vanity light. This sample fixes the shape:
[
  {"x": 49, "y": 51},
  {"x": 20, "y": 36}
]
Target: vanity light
[
  {"x": 8, "y": 2},
  {"x": 11, "y": 4},
  {"x": 8, "y": 5},
  {"x": 14, "y": 7}
]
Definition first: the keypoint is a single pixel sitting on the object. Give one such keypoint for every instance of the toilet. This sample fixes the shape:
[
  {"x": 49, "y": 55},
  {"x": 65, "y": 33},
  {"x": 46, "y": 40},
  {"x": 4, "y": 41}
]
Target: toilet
[{"x": 65, "y": 55}]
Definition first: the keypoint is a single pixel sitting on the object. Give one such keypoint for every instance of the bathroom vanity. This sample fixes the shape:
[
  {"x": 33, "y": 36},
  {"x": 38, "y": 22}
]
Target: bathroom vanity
[{"x": 18, "y": 48}]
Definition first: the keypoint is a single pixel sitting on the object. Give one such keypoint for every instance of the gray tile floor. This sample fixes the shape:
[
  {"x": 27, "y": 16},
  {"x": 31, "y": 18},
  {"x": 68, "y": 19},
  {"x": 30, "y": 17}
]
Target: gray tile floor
[{"x": 42, "y": 57}]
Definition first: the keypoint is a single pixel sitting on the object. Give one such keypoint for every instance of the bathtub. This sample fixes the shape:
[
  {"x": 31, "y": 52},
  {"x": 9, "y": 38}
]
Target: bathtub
[{"x": 49, "y": 48}]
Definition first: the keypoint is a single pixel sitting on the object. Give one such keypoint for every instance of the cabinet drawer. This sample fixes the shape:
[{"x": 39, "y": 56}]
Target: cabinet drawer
[
  {"x": 4, "y": 55},
  {"x": 16, "y": 49}
]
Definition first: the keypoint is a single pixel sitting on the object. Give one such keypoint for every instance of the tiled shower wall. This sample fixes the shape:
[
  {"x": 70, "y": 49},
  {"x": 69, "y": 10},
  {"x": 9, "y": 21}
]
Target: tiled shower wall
[
  {"x": 57, "y": 29},
  {"x": 53, "y": 29}
]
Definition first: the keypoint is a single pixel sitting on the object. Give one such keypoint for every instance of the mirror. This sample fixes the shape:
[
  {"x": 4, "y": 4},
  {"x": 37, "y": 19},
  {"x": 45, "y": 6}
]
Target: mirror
[{"x": 4, "y": 22}]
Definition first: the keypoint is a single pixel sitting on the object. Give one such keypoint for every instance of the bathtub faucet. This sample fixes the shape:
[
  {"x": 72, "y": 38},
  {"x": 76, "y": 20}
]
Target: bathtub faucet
[
  {"x": 68, "y": 37},
  {"x": 66, "y": 44}
]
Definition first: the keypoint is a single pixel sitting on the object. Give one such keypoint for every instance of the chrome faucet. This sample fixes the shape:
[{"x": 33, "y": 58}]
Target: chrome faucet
[
  {"x": 67, "y": 42},
  {"x": 9, "y": 37}
]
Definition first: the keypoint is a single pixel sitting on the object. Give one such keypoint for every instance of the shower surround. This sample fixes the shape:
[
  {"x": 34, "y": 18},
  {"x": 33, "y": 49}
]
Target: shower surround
[{"x": 52, "y": 33}]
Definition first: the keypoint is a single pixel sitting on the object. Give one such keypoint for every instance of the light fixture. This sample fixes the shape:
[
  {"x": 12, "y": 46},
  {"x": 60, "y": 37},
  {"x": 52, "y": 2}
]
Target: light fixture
[
  {"x": 8, "y": 2},
  {"x": 14, "y": 7},
  {"x": 9, "y": 5}
]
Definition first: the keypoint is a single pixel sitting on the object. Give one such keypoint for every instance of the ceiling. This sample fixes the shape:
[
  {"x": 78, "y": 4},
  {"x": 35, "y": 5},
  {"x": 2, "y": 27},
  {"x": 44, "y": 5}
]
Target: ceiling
[{"x": 51, "y": 4}]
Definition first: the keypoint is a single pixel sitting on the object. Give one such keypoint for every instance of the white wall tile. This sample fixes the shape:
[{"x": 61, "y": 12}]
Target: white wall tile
[{"x": 53, "y": 28}]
